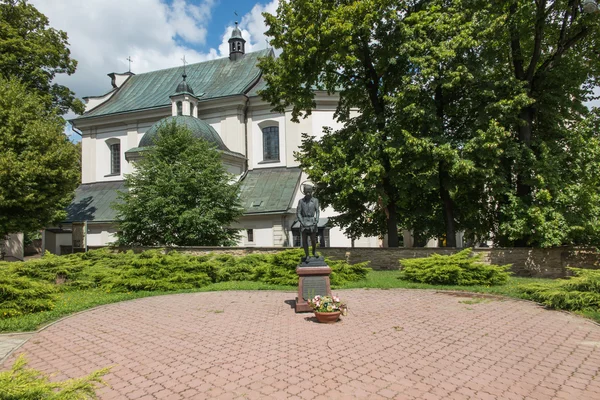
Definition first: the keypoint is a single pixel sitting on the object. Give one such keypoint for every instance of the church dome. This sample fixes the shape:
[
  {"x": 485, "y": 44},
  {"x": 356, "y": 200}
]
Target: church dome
[
  {"x": 184, "y": 87},
  {"x": 236, "y": 34},
  {"x": 199, "y": 128}
]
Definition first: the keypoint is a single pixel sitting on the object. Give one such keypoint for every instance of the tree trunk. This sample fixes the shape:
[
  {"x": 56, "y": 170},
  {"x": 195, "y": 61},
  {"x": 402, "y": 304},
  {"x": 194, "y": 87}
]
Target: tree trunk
[
  {"x": 392, "y": 225},
  {"x": 447, "y": 207},
  {"x": 525, "y": 130},
  {"x": 524, "y": 190}
]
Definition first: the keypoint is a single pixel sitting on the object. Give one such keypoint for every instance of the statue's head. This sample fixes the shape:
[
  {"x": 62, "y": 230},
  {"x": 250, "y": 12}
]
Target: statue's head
[{"x": 308, "y": 190}]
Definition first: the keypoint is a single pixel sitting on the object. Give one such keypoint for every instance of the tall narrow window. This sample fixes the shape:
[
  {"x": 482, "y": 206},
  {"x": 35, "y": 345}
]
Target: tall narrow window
[
  {"x": 115, "y": 159},
  {"x": 179, "y": 108},
  {"x": 250, "y": 233},
  {"x": 271, "y": 143}
]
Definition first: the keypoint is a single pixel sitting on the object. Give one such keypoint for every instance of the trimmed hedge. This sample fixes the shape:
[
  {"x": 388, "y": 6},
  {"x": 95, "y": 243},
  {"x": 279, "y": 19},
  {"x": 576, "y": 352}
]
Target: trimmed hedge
[
  {"x": 578, "y": 293},
  {"x": 21, "y": 295},
  {"x": 29, "y": 286},
  {"x": 462, "y": 268}
]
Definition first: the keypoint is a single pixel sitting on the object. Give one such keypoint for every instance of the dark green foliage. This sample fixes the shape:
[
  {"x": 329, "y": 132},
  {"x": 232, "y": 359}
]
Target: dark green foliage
[
  {"x": 579, "y": 293},
  {"x": 35, "y": 53},
  {"x": 21, "y": 383},
  {"x": 461, "y": 268},
  {"x": 39, "y": 167},
  {"x": 20, "y": 295},
  {"x": 28, "y": 287},
  {"x": 179, "y": 194}
]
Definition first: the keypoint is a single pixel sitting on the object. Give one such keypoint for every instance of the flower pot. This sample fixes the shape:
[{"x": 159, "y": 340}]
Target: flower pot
[{"x": 327, "y": 317}]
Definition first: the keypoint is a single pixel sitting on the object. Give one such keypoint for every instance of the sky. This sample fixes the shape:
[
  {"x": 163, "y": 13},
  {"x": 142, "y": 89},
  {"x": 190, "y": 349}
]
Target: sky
[{"x": 156, "y": 34}]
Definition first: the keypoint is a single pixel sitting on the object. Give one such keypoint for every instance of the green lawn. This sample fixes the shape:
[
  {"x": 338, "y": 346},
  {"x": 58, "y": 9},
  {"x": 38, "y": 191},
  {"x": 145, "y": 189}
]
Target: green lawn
[{"x": 78, "y": 300}]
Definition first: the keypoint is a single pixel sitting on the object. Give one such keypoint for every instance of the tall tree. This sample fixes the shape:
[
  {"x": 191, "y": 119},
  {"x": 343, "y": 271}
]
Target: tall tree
[
  {"x": 349, "y": 48},
  {"x": 39, "y": 167},
  {"x": 180, "y": 194},
  {"x": 35, "y": 53},
  {"x": 552, "y": 49}
]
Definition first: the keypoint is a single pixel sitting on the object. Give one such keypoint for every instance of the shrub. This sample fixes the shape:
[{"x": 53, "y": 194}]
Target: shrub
[
  {"x": 578, "y": 293},
  {"x": 21, "y": 383},
  {"x": 157, "y": 270},
  {"x": 21, "y": 295},
  {"x": 461, "y": 268}
]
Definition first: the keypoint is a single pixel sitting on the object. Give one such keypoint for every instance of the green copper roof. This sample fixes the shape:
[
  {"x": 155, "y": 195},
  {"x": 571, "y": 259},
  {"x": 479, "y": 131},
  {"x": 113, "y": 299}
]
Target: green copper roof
[
  {"x": 268, "y": 190},
  {"x": 199, "y": 128},
  {"x": 93, "y": 201},
  {"x": 215, "y": 78}
]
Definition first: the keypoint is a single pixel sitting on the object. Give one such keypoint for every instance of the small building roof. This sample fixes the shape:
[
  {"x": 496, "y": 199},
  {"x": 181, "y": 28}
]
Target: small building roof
[
  {"x": 93, "y": 201},
  {"x": 269, "y": 190},
  {"x": 215, "y": 78}
]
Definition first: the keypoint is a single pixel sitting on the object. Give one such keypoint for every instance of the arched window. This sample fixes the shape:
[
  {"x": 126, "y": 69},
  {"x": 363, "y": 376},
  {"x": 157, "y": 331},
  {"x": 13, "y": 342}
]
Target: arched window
[
  {"x": 270, "y": 143},
  {"x": 179, "y": 108},
  {"x": 114, "y": 146}
]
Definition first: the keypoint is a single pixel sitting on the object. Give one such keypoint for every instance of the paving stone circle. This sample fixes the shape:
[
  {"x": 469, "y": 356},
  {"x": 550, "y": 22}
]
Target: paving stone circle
[{"x": 394, "y": 344}]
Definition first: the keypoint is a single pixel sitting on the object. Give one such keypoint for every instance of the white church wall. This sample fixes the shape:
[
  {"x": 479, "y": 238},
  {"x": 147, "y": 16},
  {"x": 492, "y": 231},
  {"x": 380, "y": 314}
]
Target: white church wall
[
  {"x": 322, "y": 119},
  {"x": 262, "y": 230},
  {"x": 293, "y": 136},
  {"x": 232, "y": 130},
  {"x": 88, "y": 156},
  {"x": 103, "y": 155},
  {"x": 256, "y": 122}
]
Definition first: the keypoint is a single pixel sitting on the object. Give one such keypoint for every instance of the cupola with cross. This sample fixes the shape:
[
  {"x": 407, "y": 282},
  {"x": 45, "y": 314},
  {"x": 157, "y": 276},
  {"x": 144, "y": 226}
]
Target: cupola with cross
[
  {"x": 237, "y": 44},
  {"x": 184, "y": 101}
]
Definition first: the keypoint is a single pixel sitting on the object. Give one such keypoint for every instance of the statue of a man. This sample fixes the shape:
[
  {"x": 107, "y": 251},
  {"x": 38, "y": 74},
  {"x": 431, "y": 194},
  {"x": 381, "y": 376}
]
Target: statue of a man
[{"x": 308, "y": 216}]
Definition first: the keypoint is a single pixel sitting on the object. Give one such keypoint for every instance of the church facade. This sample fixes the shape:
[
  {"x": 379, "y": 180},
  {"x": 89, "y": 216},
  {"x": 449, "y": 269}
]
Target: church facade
[{"x": 219, "y": 101}]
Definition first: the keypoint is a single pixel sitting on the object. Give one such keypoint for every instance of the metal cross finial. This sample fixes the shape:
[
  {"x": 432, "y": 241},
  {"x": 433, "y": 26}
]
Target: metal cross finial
[
  {"x": 184, "y": 63},
  {"x": 130, "y": 61}
]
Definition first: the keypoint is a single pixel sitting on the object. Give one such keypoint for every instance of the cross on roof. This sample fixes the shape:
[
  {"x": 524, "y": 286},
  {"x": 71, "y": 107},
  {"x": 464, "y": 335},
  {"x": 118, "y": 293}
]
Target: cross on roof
[
  {"x": 184, "y": 63},
  {"x": 130, "y": 61}
]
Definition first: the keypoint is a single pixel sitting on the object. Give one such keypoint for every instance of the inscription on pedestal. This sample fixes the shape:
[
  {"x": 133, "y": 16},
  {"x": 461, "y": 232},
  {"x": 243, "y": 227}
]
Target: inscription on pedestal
[{"x": 313, "y": 285}]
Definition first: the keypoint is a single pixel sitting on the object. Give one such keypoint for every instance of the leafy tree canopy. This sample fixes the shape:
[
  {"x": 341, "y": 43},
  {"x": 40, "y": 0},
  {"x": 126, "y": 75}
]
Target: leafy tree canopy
[
  {"x": 180, "y": 194},
  {"x": 39, "y": 167},
  {"x": 35, "y": 53},
  {"x": 470, "y": 114}
]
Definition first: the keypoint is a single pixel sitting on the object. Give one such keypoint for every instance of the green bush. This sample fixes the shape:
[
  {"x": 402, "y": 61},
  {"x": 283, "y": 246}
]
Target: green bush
[
  {"x": 21, "y": 295},
  {"x": 461, "y": 268},
  {"x": 21, "y": 383},
  {"x": 155, "y": 270},
  {"x": 578, "y": 293}
]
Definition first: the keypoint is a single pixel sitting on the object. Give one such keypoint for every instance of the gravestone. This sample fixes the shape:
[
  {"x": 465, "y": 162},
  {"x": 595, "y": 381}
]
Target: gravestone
[{"x": 313, "y": 279}]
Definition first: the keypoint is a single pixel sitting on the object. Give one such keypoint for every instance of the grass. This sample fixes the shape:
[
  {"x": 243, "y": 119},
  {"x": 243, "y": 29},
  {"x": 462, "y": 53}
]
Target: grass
[{"x": 78, "y": 300}]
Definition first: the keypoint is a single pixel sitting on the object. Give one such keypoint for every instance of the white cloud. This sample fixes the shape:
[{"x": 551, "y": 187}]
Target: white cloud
[{"x": 103, "y": 33}]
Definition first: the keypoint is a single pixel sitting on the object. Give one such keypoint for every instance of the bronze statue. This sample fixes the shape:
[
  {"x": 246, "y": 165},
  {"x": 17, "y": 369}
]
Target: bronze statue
[{"x": 308, "y": 216}]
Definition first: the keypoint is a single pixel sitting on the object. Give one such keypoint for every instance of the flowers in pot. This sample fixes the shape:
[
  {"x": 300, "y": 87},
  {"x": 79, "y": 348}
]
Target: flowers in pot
[{"x": 327, "y": 308}]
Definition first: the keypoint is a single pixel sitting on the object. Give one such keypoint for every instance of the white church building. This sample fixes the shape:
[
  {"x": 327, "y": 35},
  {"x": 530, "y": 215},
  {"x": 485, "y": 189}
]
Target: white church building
[{"x": 218, "y": 100}]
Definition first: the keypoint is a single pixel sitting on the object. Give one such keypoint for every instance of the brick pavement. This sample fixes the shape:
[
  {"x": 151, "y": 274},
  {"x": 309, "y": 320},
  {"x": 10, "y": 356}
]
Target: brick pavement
[{"x": 402, "y": 344}]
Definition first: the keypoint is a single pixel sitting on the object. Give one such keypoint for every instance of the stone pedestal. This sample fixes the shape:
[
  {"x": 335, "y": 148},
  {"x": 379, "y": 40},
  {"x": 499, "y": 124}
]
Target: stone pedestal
[{"x": 313, "y": 280}]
